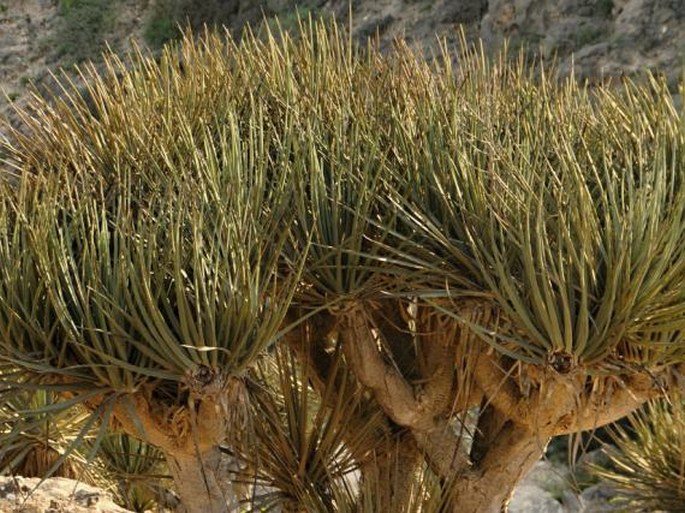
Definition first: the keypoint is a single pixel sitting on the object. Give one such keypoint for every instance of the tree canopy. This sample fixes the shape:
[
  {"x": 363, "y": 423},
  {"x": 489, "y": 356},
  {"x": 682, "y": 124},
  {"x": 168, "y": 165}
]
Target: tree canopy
[{"x": 460, "y": 261}]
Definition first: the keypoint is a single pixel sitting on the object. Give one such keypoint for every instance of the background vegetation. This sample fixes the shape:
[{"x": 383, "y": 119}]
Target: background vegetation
[{"x": 81, "y": 29}]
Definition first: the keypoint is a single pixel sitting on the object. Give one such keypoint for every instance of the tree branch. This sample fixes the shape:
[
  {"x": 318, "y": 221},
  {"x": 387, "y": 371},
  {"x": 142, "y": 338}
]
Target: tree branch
[
  {"x": 393, "y": 393},
  {"x": 423, "y": 415},
  {"x": 491, "y": 421},
  {"x": 388, "y": 318},
  {"x": 560, "y": 403},
  {"x": 486, "y": 486},
  {"x": 308, "y": 342},
  {"x": 497, "y": 385},
  {"x": 624, "y": 396}
]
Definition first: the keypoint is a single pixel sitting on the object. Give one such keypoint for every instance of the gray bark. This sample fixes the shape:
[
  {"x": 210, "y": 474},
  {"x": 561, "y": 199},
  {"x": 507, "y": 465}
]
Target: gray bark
[{"x": 197, "y": 481}]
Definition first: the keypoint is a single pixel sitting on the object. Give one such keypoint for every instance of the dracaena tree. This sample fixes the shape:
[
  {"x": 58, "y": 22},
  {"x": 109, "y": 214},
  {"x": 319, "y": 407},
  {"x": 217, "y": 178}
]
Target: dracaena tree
[
  {"x": 141, "y": 254},
  {"x": 455, "y": 264}
]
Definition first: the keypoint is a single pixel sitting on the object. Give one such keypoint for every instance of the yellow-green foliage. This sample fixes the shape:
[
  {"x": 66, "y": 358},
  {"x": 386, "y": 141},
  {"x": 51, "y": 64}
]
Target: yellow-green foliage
[
  {"x": 151, "y": 203},
  {"x": 647, "y": 464},
  {"x": 137, "y": 469},
  {"x": 167, "y": 218},
  {"x": 36, "y": 436}
]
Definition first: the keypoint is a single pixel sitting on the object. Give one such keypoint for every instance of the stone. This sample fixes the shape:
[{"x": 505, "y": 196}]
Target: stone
[
  {"x": 571, "y": 502},
  {"x": 530, "y": 498},
  {"x": 548, "y": 477},
  {"x": 593, "y": 36},
  {"x": 54, "y": 495}
]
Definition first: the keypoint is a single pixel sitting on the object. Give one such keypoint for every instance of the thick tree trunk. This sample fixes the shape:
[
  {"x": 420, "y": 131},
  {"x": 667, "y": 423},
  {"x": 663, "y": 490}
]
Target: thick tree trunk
[
  {"x": 391, "y": 479},
  {"x": 196, "y": 479},
  {"x": 489, "y": 485},
  {"x": 191, "y": 441},
  {"x": 521, "y": 405}
]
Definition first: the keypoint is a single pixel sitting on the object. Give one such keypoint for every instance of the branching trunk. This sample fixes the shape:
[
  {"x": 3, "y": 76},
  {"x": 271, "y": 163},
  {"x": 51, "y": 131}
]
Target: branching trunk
[
  {"x": 190, "y": 441},
  {"x": 521, "y": 406},
  {"x": 388, "y": 472},
  {"x": 489, "y": 484},
  {"x": 424, "y": 414}
]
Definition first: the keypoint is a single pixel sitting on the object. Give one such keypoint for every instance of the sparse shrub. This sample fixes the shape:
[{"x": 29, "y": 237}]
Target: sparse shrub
[
  {"x": 81, "y": 28},
  {"x": 161, "y": 27},
  {"x": 169, "y": 16},
  {"x": 605, "y": 7},
  {"x": 290, "y": 20}
]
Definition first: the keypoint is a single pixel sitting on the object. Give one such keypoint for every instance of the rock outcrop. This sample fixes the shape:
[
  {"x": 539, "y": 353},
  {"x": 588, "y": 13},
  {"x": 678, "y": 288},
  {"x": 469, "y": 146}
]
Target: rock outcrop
[{"x": 595, "y": 38}]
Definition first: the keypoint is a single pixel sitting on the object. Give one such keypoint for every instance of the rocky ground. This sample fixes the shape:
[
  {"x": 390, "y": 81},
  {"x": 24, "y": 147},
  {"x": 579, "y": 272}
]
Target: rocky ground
[
  {"x": 553, "y": 488},
  {"x": 56, "y": 495},
  {"x": 549, "y": 488}
]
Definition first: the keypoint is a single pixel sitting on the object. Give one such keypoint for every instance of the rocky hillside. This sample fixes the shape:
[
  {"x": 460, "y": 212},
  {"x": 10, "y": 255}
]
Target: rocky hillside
[{"x": 595, "y": 38}]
